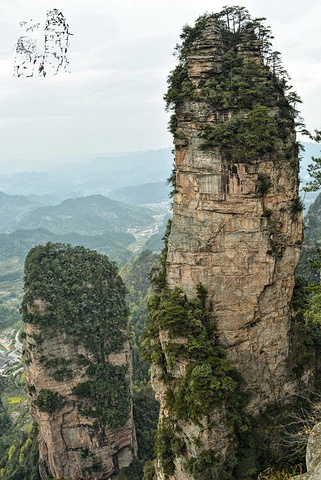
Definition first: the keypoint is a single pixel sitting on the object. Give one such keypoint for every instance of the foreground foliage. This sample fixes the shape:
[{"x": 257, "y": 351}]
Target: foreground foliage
[{"x": 18, "y": 444}]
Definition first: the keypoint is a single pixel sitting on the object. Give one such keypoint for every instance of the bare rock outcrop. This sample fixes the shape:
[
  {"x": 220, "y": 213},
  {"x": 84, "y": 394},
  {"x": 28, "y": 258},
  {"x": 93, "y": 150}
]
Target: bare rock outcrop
[
  {"x": 239, "y": 241},
  {"x": 313, "y": 455}
]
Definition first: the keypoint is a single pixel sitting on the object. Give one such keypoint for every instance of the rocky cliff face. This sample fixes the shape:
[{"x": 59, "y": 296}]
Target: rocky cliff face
[
  {"x": 78, "y": 374},
  {"x": 236, "y": 228},
  {"x": 71, "y": 444},
  {"x": 241, "y": 243}
]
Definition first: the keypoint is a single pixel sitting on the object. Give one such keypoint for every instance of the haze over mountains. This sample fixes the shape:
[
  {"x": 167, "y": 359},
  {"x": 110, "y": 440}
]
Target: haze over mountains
[
  {"x": 147, "y": 193},
  {"x": 108, "y": 175},
  {"x": 100, "y": 175},
  {"x": 13, "y": 207},
  {"x": 112, "y": 204},
  {"x": 86, "y": 215},
  {"x": 70, "y": 196}
]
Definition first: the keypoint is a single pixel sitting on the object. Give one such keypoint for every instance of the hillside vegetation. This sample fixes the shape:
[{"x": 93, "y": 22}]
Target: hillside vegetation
[
  {"x": 13, "y": 207},
  {"x": 86, "y": 215}
]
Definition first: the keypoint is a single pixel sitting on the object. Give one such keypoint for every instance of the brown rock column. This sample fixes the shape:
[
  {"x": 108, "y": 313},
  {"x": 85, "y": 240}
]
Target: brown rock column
[
  {"x": 237, "y": 236},
  {"x": 77, "y": 371}
]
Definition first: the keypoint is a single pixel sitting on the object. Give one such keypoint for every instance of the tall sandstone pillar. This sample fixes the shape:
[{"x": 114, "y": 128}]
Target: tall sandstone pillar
[
  {"x": 237, "y": 223},
  {"x": 77, "y": 361}
]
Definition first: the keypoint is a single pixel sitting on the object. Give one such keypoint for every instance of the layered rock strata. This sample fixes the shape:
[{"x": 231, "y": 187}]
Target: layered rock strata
[
  {"x": 237, "y": 230},
  {"x": 77, "y": 382}
]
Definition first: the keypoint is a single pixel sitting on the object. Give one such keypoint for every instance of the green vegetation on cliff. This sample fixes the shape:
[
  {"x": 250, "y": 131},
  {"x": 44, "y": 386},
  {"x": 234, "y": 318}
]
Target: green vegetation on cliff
[
  {"x": 231, "y": 91},
  {"x": 79, "y": 292},
  {"x": 209, "y": 379},
  {"x": 48, "y": 401},
  {"x": 146, "y": 409},
  {"x": 249, "y": 78},
  {"x": 106, "y": 394}
]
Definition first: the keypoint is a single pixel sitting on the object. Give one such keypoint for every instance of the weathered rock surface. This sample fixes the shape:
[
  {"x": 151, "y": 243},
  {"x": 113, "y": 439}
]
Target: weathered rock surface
[
  {"x": 69, "y": 442},
  {"x": 221, "y": 238},
  {"x": 313, "y": 455},
  {"x": 240, "y": 242},
  {"x": 78, "y": 363}
]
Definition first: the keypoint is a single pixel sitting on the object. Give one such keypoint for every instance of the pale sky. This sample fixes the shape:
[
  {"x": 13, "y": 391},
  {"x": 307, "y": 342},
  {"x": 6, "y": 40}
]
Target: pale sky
[{"x": 120, "y": 56}]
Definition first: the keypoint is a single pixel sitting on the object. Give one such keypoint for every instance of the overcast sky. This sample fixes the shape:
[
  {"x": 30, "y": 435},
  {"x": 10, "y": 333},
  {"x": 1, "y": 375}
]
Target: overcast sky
[{"x": 120, "y": 55}]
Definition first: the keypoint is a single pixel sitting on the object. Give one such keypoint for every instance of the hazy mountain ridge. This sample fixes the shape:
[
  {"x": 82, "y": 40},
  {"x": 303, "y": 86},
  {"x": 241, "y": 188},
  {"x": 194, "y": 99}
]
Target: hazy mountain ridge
[
  {"x": 35, "y": 183},
  {"x": 86, "y": 215},
  {"x": 12, "y": 207},
  {"x": 156, "y": 192},
  {"x": 99, "y": 175}
]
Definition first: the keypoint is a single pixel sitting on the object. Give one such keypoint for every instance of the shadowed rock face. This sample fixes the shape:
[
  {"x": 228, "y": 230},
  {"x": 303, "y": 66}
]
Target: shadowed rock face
[
  {"x": 69, "y": 442},
  {"x": 71, "y": 385},
  {"x": 235, "y": 230}
]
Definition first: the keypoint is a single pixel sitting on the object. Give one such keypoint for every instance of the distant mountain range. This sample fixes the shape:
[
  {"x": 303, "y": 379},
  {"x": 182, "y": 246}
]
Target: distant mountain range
[
  {"x": 13, "y": 207},
  {"x": 114, "y": 176},
  {"x": 86, "y": 215},
  {"x": 142, "y": 194},
  {"x": 35, "y": 183},
  {"x": 19, "y": 242},
  {"x": 100, "y": 175}
]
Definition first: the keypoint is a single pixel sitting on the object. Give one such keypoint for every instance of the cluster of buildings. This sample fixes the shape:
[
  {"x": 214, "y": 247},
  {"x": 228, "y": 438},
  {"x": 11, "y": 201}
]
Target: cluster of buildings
[{"x": 12, "y": 355}]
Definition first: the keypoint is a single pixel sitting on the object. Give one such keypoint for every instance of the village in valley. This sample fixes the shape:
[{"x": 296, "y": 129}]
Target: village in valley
[{"x": 10, "y": 352}]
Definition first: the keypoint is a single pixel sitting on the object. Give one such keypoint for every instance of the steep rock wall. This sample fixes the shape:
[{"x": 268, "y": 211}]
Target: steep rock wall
[
  {"x": 236, "y": 229},
  {"x": 70, "y": 444}
]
